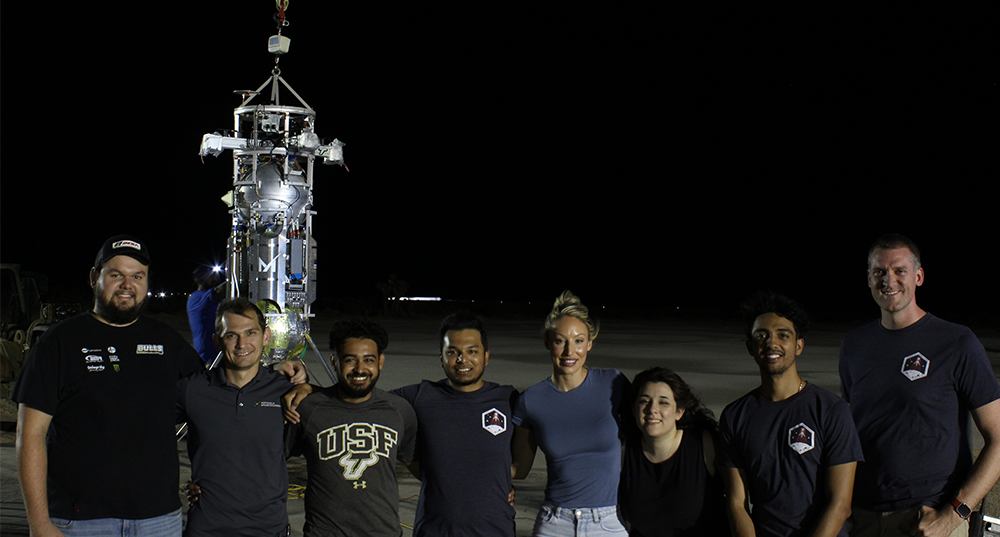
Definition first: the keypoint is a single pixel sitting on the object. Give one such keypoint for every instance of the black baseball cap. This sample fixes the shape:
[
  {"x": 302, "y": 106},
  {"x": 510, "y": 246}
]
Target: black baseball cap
[{"x": 122, "y": 245}]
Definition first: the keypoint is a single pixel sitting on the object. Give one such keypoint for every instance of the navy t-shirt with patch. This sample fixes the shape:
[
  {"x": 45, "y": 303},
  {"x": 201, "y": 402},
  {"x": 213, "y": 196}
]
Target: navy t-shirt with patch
[
  {"x": 911, "y": 391},
  {"x": 785, "y": 448},
  {"x": 463, "y": 445}
]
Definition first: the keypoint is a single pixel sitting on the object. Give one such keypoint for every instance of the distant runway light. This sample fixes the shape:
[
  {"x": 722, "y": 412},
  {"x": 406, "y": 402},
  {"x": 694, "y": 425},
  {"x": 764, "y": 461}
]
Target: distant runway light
[{"x": 421, "y": 298}]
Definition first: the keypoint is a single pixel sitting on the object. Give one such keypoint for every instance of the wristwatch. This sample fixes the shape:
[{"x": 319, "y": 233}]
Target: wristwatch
[{"x": 962, "y": 509}]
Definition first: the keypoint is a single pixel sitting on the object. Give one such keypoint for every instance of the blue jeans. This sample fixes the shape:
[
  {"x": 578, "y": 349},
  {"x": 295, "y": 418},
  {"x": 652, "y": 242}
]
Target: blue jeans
[
  {"x": 565, "y": 522},
  {"x": 168, "y": 525}
]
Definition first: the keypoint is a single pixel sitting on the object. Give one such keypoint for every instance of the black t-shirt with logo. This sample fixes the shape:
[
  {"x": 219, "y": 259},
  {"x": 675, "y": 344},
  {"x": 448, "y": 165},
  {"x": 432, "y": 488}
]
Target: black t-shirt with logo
[
  {"x": 463, "y": 446},
  {"x": 785, "y": 447},
  {"x": 111, "y": 392},
  {"x": 911, "y": 391}
]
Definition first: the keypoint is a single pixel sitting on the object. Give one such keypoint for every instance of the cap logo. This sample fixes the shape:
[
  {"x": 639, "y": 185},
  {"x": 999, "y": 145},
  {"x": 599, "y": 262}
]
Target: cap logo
[{"x": 126, "y": 244}]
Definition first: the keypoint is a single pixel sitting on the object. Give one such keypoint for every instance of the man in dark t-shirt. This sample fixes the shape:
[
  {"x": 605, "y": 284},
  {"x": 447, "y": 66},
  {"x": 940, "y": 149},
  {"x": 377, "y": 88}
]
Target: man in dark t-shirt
[
  {"x": 351, "y": 435},
  {"x": 789, "y": 447},
  {"x": 464, "y": 439},
  {"x": 912, "y": 380},
  {"x": 106, "y": 383}
]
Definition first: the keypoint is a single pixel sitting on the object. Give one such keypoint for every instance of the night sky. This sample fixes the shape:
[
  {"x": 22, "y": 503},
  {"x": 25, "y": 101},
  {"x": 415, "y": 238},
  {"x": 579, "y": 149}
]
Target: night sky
[{"x": 648, "y": 160}]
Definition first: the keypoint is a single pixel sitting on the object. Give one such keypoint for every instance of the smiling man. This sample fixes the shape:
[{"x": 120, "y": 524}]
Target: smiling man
[
  {"x": 235, "y": 442},
  {"x": 912, "y": 380},
  {"x": 352, "y": 434},
  {"x": 464, "y": 439},
  {"x": 106, "y": 382},
  {"x": 789, "y": 447}
]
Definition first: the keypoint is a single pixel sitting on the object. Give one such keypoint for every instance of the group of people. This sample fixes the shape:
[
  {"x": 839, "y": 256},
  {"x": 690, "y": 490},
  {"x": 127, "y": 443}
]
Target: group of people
[{"x": 100, "y": 394}]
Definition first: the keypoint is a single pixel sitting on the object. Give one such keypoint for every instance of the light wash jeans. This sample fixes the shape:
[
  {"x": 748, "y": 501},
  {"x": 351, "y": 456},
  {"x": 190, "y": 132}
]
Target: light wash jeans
[
  {"x": 168, "y": 525},
  {"x": 564, "y": 522}
]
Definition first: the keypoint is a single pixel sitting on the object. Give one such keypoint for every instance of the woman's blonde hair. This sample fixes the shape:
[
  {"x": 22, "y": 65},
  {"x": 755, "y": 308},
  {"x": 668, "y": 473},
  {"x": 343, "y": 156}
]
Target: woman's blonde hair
[{"x": 568, "y": 304}]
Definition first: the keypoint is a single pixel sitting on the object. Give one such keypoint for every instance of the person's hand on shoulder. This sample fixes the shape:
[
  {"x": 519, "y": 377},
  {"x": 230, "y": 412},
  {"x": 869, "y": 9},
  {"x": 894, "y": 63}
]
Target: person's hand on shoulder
[
  {"x": 295, "y": 370},
  {"x": 293, "y": 398}
]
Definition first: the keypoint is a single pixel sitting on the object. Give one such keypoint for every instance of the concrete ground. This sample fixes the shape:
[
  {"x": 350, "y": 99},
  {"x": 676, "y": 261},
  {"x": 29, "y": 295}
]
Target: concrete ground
[{"x": 710, "y": 356}]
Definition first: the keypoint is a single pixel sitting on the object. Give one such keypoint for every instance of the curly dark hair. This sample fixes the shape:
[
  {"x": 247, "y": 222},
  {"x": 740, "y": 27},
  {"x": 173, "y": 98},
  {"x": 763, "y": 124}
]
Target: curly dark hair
[
  {"x": 357, "y": 328},
  {"x": 462, "y": 320},
  {"x": 696, "y": 415},
  {"x": 770, "y": 302}
]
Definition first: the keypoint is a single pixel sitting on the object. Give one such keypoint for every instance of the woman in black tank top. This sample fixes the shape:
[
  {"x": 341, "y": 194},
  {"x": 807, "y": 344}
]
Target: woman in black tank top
[{"x": 669, "y": 483}]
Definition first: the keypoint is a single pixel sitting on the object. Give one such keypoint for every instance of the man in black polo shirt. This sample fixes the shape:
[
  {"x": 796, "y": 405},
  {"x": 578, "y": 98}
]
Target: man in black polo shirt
[{"x": 236, "y": 427}]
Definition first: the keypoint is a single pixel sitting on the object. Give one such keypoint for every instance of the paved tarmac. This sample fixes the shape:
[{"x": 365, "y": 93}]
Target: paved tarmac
[{"x": 710, "y": 356}]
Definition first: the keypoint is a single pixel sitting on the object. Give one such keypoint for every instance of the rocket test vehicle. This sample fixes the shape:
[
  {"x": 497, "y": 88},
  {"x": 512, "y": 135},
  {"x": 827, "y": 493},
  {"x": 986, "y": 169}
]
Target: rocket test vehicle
[{"x": 271, "y": 252}]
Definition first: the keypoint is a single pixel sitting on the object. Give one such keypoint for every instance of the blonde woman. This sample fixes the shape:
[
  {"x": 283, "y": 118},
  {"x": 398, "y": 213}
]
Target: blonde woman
[{"x": 574, "y": 416}]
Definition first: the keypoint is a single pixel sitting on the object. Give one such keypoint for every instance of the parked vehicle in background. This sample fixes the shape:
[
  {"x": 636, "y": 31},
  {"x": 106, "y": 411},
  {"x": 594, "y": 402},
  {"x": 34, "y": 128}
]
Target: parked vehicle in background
[{"x": 23, "y": 318}]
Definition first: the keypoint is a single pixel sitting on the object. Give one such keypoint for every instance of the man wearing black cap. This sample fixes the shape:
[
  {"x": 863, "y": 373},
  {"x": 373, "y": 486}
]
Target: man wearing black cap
[{"x": 106, "y": 383}]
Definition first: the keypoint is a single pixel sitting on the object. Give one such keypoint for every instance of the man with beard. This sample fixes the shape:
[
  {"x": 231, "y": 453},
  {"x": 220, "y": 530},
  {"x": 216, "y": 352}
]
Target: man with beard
[
  {"x": 464, "y": 439},
  {"x": 106, "y": 383},
  {"x": 352, "y": 434},
  {"x": 789, "y": 447}
]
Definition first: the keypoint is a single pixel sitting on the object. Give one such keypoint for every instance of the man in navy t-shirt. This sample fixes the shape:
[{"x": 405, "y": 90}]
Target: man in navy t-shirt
[
  {"x": 464, "y": 439},
  {"x": 912, "y": 380},
  {"x": 789, "y": 447}
]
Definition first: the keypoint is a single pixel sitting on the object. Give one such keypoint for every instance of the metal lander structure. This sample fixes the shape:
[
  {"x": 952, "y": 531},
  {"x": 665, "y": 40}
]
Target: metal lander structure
[{"x": 271, "y": 250}]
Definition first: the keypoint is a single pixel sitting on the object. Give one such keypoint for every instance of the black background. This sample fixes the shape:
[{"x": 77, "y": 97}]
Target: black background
[{"x": 654, "y": 160}]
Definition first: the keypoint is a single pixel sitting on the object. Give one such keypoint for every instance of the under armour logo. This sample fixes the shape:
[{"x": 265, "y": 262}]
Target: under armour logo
[{"x": 360, "y": 485}]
